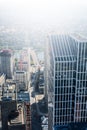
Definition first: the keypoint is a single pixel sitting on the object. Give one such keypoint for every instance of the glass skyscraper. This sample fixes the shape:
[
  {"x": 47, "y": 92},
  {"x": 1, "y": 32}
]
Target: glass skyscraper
[{"x": 67, "y": 75}]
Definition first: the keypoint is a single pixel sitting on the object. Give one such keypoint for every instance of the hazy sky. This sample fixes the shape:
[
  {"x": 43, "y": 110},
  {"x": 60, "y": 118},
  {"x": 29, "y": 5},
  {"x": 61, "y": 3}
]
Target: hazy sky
[{"x": 43, "y": 11}]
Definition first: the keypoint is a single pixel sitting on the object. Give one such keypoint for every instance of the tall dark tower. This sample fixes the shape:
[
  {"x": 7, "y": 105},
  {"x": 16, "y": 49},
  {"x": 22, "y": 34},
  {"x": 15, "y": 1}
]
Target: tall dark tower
[{"x": 6, "y": 63}]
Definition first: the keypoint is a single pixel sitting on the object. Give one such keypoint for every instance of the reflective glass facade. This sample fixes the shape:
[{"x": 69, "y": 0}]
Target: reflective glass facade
[
  {"x": 67, "y": 75},
  {"x": 81, "y": 84}
]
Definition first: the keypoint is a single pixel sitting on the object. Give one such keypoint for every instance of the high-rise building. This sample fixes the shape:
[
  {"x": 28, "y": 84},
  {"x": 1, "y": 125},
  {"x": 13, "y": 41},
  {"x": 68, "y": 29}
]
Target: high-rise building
[
  {"x": 2, "y": 83},
  {"x": 21, "y": 78},
  {"x": 46, "y": 57},
  {"x": 6, "y": 63},
  {"x": 66, "y": 75},
  {"x": 16, "y": 115},
  {"x": 22, "y": 66}
]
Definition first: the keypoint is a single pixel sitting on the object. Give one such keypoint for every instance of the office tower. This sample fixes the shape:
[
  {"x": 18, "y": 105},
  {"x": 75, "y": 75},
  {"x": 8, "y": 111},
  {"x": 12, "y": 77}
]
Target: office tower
[
  {"x": 66, "y": 75},
  {"x": 26, "y": 109},
  {"x": 21, "y": 78},
  {"x": 46, "y": 71},
  {"x": 22, "y": 66},
  {"x": 6, "y": 63},
  {"x": 15, "y": 115},
  {"x": 2, "y": 83}
]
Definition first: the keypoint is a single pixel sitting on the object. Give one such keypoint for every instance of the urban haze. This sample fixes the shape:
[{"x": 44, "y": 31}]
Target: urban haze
[{"x": 43, "y": 65}]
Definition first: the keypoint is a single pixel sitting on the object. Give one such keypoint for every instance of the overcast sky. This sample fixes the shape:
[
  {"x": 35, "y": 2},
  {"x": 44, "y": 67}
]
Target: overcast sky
[{"x": 43, "y": 11}]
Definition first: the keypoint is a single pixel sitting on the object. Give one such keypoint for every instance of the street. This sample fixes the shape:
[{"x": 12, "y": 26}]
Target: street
[
  {"x": 35, "y": 118},
  {"x": 38, "y": 106}
]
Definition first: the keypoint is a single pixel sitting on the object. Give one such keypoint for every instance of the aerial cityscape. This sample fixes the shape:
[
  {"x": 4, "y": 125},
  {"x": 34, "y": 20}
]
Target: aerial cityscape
[{"x": 43, "y": 65}]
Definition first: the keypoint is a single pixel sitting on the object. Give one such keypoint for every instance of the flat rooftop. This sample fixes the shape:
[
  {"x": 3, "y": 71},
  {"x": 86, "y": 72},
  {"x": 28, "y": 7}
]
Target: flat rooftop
[
  {"x": 23, "y": 96},
  {"x": 19, "y": 119},
  {"x": 79, "y": 37}
]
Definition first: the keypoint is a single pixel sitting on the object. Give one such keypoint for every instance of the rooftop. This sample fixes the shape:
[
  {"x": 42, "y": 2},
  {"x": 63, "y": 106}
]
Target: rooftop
[
  {"x": 79, "y": 37},
  {"x": 62, "y": 45},
  {"x": 23, "y": 96},
  {"x": 6, "y": 52}
]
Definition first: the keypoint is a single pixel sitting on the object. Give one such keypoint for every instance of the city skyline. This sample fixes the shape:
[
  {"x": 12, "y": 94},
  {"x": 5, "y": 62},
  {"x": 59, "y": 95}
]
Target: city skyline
[
  {"x": 43, "y": 12},
  {"x": 43, "y": 64}
]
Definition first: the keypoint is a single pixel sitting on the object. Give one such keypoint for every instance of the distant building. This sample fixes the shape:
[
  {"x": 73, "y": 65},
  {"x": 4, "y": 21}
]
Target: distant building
[
  {"x": 23, "y": 65},
  {"x": 2, "y": 83},
  {"x": 2, "y": 79},
  {"x": 66, "y": 77},
  {"x": 6, "y": 63},
  {"x": 21, "y": 77},
  {"x": 41, "y": 81},
  {"x": 46, "y": 61}
]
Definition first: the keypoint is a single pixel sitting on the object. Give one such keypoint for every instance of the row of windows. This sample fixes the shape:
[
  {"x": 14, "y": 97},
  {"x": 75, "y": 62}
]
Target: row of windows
[
  {"x": 69, "y": 82},
  {"x": 82, "y": 76},
  {"x": 64, "y": 90},
  {"x": 82, "y": 66},
  {"x": 64, "y": 105},
  {"x": 82, "y": 84},
  {"x": 66, "y": 58},
  {"x": 83, "y": 50},
  {"x": 64, "y": 112},
  {"x": 65, "y": 75},
  {"x": 65, "y": 66},
  {"x": 64, "y": 119}
]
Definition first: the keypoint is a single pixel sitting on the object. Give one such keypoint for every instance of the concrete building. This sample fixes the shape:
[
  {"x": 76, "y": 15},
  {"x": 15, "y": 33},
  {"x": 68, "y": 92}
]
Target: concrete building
[
  {"x": 6, "y": 108},
  {"x": 22, "y": 66},
  {"x": 6, "y": 63},
  {"x": 41, "y": 81},
  {"x": 21, "y": 77},
  {"x": 46, "y": 65},
  {"x": 2, "y": 82},
  {"x": 25, "y": 98},
  {"x": 66, "y": 75},
  {"x": 16, "y": 114}
]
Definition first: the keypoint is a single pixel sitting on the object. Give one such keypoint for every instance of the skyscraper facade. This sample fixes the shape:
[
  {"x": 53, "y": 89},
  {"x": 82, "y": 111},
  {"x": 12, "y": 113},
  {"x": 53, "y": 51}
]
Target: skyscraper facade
[
  {"x": 67, "y": 85},
  {"x": 6, "y": 63}
]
